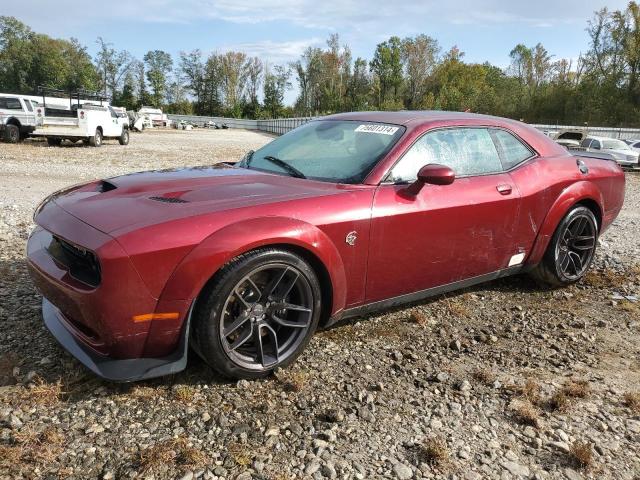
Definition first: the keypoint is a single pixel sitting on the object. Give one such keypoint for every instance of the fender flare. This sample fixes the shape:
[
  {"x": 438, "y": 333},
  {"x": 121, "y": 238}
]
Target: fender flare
[
  {"x": 196, "y": 269},
  {"x": 13, "y": 121},
  {"x": 570, "y": 196}
]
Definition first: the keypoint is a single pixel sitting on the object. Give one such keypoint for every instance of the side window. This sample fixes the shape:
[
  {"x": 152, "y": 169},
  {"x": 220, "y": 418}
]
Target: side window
[
  {"x": 513, "y": 150},
  {"x": 596, "y": 145},
  {"x": 585, "y": 143},
  {"x": 9, "y": 103},
  {"x": 467, "y": 151},
  {"x": 636, "y": 145},
  {"x": 28, "y": 105},
  {"x": 113, "y": 113}
]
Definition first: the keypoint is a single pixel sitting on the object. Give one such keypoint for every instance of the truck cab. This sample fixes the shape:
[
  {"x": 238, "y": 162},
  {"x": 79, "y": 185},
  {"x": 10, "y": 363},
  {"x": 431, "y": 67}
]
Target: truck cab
[{"x": 17, "y": 117}]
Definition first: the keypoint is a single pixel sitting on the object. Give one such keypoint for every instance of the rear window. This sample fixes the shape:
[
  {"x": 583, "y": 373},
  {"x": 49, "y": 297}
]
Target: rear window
[
  {"x": 513, "y": 150},
  {"x": 10, "y": 103}
]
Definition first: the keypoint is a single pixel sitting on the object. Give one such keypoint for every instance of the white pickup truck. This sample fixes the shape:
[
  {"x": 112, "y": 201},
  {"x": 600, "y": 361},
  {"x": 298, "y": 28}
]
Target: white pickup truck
[
  {"x": 85, "y": 122},
  {"x": 17, "y": 117}
]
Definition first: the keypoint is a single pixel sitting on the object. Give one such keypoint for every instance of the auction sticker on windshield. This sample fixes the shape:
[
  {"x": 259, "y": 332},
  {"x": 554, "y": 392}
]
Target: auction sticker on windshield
[{"x": 383, "y": 129}]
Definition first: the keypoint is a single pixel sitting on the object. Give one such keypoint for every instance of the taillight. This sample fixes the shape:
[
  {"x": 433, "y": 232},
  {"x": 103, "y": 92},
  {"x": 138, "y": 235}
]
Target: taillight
[{"x": 81, "y": 114}]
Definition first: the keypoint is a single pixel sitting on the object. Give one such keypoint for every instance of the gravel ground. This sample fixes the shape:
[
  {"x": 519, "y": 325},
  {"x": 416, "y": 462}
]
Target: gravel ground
[{"x": 500, "y": 381}]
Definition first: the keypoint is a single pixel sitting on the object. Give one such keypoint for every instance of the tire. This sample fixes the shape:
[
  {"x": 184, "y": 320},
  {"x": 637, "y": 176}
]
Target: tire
[
  {"x": 239, "y": 329},
  {"x": 11, "y": 134},
  {"x": 54, "y": 142},
  {"x": 123, "y": 139},
  {"x": 96, "y": 140},
  {"x": 571, "y": 249}
]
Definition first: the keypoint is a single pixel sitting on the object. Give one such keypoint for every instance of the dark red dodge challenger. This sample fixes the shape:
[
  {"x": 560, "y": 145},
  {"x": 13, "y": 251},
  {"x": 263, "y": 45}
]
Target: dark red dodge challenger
[{"x": 342, "y": 216}]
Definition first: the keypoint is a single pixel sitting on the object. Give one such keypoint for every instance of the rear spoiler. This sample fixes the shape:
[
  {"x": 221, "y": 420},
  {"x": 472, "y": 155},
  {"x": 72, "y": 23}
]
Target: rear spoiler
[{"x": 601, "y": 156}]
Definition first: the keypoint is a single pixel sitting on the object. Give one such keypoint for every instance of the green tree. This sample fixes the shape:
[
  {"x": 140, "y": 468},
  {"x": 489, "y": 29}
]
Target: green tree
[
  {"x": 276, "y": 83},
  {"x": 387, "y": 68},
  {"x": 158, "y": 67}
]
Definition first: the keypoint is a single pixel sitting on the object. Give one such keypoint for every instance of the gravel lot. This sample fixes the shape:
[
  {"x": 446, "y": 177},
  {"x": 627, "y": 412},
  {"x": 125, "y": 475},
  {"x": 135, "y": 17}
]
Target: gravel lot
[{"x": 500, "y": 381}]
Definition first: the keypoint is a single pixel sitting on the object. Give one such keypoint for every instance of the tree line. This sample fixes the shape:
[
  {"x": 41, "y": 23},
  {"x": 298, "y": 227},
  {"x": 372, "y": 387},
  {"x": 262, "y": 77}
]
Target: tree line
[{"x": 602, "y": 86}]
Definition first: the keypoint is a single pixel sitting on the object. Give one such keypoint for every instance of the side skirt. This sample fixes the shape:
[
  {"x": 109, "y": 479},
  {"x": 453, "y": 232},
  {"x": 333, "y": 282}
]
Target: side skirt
[{"x": 423, "y": 294}]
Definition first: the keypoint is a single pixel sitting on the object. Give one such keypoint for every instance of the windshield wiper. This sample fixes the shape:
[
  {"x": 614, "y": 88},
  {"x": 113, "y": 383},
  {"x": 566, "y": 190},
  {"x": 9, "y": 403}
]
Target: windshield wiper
[{"x": 290, "y": 169}]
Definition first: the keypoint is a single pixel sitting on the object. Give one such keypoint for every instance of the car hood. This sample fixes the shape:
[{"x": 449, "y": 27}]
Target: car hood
[
  {"x": 622, "y": 153},
  {"x": 147, "y": 198}
]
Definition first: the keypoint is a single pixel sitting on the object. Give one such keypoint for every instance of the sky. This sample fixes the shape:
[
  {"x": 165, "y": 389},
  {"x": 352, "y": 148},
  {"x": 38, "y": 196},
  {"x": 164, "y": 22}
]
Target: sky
[{"x": 279, "y": 30}]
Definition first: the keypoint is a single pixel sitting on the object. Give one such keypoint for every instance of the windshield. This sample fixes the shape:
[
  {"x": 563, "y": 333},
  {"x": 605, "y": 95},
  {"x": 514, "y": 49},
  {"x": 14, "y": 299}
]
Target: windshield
[
  {"x": 615, "y": 145},
  {"x": 328, "y": 150}
]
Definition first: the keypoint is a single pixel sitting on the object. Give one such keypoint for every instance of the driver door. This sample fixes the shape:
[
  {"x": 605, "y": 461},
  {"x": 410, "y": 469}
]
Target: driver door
[{"x": 447, "y": 233}]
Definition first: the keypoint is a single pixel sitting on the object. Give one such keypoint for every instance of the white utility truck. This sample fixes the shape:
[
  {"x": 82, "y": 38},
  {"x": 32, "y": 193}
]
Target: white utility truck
[{"x": 85, "y": 120}]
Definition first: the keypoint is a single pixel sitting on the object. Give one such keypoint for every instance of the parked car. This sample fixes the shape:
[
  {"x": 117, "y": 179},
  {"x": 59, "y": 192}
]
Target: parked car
[
  {"x": 343, "y": 216},
  {"x": 158, "y": 119},
  {"x": 570, "y": 138},
  {"x": 633, "y": 143},
  {"x": 85, "y": 122},
  {"x": 619, "y": 150},
  {"x": 17, "y": 117}
]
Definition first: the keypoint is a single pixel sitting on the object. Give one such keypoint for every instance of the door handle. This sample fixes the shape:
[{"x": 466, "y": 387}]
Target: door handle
[{"x": 504, "y": 189}]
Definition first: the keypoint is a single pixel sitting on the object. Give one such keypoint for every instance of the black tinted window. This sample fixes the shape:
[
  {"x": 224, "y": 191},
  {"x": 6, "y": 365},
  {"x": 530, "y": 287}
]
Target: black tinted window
[
  {"x": 512, "y": 149},
  {"x": 10, "y": 104}
]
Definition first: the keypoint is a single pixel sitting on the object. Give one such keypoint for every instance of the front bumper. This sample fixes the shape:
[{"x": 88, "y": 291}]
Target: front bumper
[
  {"x": 116, "y": 370},
  {"x": 95, "y": 322}
]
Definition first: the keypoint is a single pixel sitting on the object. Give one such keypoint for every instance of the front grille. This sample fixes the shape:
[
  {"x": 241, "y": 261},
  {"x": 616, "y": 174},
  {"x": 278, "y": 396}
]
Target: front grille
[
  {"x": 80, "y": 263},
  {"x": 169, "y": 199}
]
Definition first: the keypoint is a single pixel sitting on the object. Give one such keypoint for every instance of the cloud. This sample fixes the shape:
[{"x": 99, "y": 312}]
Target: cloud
[
  {"x": 364, "y": 16},
  {"x": 274, "y": 52}
]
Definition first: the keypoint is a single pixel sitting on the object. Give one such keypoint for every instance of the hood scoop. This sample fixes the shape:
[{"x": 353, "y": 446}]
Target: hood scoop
[{"x": 169, "y": 199}]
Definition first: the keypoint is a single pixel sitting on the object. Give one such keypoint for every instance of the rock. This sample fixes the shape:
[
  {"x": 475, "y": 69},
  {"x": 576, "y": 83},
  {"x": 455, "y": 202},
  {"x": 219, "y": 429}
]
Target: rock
[
  {"x": 205, "y": 417},
  {"x": 312, "y": 467},
  {"x": 442, "y": 377},
  {"x": 464, "y": 386},
  {"x": 187, "y": 476},
  {"x": 14, "y": 422},
  {"x": 560, "y": 446},
  {"x": 402, "y": 471},
  {"x": 515, "y": 468}
]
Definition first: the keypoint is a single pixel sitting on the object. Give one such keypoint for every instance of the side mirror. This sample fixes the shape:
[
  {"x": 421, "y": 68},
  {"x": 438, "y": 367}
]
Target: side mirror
[
  {"x": 436, "y": 174},
  {"x": 433, "y": 174}
]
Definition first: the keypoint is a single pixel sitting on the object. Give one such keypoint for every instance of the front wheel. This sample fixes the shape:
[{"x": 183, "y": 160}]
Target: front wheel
[
  {"x": 11, "y": 134},
  {"x": 123, "y": 139},
  {"x": 571, "y": 249},
  {"x": 96, "y": 140},
  {"x": 259, "y": 313}
]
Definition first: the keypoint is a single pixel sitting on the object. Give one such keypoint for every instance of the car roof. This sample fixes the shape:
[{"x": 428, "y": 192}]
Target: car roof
[{"x": 409, "y": 117}]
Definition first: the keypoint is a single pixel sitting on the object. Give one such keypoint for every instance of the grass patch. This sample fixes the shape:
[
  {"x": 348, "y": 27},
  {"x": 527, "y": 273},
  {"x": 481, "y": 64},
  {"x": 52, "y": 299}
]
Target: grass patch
[
  {"x": 581, "y": 454},
  {"x": 419, "y": 318},
  {"x": 629, "y": 307},
  {"x": 30, "y": 450},
  {"x": 457, "y": 308},
  {"x": 292, "y": 380},
  {"x": 175, "y": 451},
  {"x": 577, "y": 389},
  {"x": 241, "y": 454},
  {"x": 184, "y": 393},
  {"x": 435, "y": 452},
  {"x": 525, "y": 412},
  {"x": 631, "y": 400},
  {"x": 485, "y": 376},
  {"x": 559, "y": 402},
  {"x": 42, "y": 393},
  {"x": 604, "y": 278}
]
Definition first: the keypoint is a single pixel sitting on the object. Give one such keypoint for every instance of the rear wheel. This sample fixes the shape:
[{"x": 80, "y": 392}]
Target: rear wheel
[
  {"x": 571, "y": 249},
  {"x": 11, "y": 134},
  {"x": 96, "y": 140},
  {"x": 54, "y": 142},
  {"x": 259, "y": 314},
  {"x": 124, "y": 137}
]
